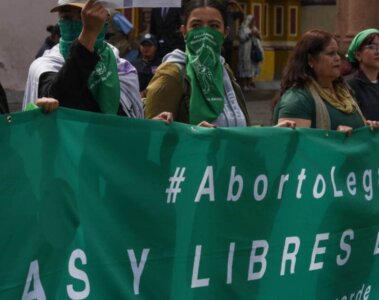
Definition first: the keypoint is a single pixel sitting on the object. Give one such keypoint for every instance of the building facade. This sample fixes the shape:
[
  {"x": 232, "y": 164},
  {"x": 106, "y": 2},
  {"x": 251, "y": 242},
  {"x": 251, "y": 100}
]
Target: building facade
[
  {"x": 282, "y": 22},
  {"x": 23, "y": 29}
]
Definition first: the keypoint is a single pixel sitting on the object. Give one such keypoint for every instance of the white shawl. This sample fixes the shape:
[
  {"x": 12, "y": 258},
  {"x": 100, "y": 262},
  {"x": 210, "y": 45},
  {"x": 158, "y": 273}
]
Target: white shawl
[{"x": 52, "y": 61}]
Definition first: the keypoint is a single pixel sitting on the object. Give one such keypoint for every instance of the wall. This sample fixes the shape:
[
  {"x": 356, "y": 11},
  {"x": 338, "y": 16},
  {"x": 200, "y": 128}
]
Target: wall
[
  {"x": 354, "y": 16},
  {"x": 22, "y": 31},
  {"x": 318, "y": 16}
]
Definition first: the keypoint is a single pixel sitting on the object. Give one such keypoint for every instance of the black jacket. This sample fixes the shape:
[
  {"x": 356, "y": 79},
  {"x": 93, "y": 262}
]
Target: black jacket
[
  {"x": 167, "y": 30},
  {"x": 70, "y": 85},
  {"x": 146, "y": 70},
  {"x": 367, "y": 95}
]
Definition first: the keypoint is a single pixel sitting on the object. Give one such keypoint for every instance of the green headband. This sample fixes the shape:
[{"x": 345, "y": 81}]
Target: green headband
[{"x": 356, "y": 43}]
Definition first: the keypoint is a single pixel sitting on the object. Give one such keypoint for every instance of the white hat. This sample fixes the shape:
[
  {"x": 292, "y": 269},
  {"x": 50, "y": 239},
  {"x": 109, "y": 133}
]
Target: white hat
[{"x": 76, "y": 3}]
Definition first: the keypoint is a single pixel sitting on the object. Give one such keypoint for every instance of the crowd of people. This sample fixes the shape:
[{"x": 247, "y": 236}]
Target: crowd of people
[{"x": 178, "y": 71}]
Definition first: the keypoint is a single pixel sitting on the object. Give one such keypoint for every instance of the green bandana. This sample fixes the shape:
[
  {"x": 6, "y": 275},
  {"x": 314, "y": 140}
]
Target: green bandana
[
  {"x": 204, "y": 68},
  {"x": 103, "y": 83},
  {"x": 70, "y": 30},
  {"x": 356, "y": 43}
]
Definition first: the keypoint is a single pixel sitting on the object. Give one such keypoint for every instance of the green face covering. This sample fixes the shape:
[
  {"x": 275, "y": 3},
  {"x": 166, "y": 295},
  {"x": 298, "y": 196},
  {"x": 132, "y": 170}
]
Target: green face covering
[
  {"x": 103, "y": 83},
  {"x": 70, "y": 30},
  {"x": 204, "y": 68}
]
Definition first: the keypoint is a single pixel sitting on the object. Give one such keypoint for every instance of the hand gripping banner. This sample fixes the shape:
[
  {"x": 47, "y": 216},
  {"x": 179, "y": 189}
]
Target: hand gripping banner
[{"x": 103, "y": 207}]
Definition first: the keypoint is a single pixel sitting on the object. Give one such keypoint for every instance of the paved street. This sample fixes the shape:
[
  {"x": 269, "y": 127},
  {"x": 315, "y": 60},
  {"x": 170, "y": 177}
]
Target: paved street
[
  {"x": 258, "y": 102},
  {"x": 259, "y": 106}
]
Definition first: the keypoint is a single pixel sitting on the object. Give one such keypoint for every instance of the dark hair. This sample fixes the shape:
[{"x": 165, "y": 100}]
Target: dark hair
[
  {"x": 53, "y": 29},
  {"x": 368, "y": 40},
  {"x": 193, "y": 4},
  {"x": 297, "y": 71}
]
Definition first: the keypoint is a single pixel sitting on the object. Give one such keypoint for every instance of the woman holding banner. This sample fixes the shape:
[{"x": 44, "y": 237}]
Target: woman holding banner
[
  {"x": 313, "y": 94},
  {"x": 197, "y": 85}
]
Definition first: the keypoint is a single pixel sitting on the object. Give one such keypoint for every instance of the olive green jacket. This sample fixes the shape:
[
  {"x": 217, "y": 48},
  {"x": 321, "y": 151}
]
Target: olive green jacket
[{"x": 170, "y": 90}]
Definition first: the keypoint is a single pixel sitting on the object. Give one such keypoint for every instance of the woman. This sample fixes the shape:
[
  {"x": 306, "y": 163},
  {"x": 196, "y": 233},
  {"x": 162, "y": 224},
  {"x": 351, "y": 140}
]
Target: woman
[
  {"x": 248, "y": 64},
  {"x": 363, "y": 54},
  {"x": 312, "y": 91},
  {"x": 197, "y": 86}
]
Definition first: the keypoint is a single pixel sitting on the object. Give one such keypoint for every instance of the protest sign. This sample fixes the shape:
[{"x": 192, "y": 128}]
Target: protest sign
[{"x": 103, "y": 207}]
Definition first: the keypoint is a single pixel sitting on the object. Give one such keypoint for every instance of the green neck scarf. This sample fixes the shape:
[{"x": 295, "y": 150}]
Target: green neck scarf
[
  {"x": 103, "y": 82},
  {"x": 204, "y": 68}
]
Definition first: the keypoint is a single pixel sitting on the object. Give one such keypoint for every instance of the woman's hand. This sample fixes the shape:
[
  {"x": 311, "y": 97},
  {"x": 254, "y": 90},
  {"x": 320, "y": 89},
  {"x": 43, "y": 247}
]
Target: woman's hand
[
  {"x": 165, "y": 116},
  {"x": 372, "y": 124},
  {"x": 300, "y": 123},
  {"x": 47, "y": 105},
  {"x": 206, "y": 124},
  {"x": 347, "y": 129},
  {"x": 286, "y": 123}
]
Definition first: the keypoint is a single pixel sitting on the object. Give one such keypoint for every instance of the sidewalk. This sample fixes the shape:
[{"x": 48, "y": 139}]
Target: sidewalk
[
  {"x": 14, "y": 100},
  {"x": 258, "y": 101}
]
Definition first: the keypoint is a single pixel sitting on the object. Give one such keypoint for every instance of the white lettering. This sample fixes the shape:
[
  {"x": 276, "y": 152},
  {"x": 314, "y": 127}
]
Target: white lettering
[
  {"x": 367, "y": 184},
  {"x": 196, "y": 282},
  {"x": 78, "y": 274},
  {"x": 137, "y": 269},
  {"x": 235, "y": 179},
  {"x": 367, "y": 293},
  {"x": 203, "y": 190},
  {"x": 283, "y": 179},
  {"x": 260, "y": 196},
  {"x": 230, "y": 263},
  {"x": 317, "y": 251},
  {"x": 336, "y": 192},
  {"x": 254, "y": 258},
  {"x": 345, "y": 247},
  {"x": 290, "y": 256},
  {"x": 351, "y": 182},
  {"x": 37, "y": 293},
  {"x": 376, "y": 250},
  {"x": 300, "y": 178},
  {"x": 316, "y": 193}
]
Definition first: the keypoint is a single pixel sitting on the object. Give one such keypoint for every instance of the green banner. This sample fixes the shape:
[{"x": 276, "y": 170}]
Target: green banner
[{"x": 103, "y": 207}]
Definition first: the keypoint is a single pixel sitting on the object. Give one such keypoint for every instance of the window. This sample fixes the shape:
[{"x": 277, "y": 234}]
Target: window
[
  {"x": 257, "y": 13},
  {"x": 278, "y": 20},
  {"x": 293, "y": 21},
  {"x": 265, "y": 20}
]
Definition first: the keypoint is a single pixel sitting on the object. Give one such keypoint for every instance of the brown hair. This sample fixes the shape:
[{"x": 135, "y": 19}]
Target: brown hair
[{"x": 297, "y": 71}]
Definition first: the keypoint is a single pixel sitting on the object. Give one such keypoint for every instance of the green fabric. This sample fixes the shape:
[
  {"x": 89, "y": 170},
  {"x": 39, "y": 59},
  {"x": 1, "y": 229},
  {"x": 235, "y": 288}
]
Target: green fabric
[
  {"x": 356, "y": 43},
  {"x": 87, "y": 204},
  {"x": 103, "y": 83},
  {"x": 70, "y": 30},
  {"x": 297, "y": 103},
  {"x": 31, "y": 106},
  {"x": 177, "y": 92},
  {"x": 204, "y": 68}
]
